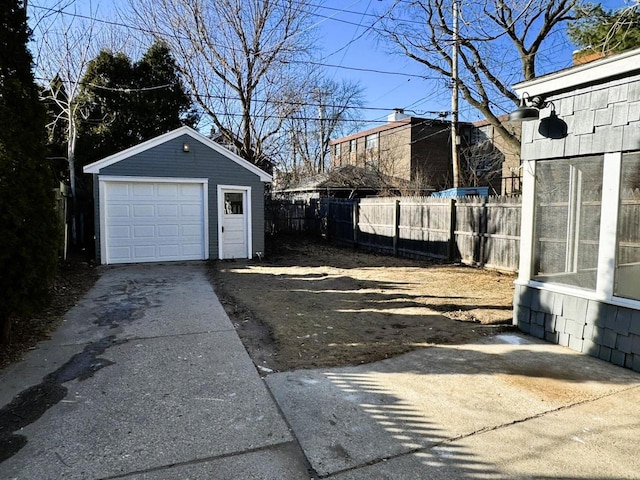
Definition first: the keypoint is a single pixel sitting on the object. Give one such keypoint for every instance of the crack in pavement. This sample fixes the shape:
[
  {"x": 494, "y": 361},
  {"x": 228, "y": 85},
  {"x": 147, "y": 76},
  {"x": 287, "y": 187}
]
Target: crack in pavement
[{"x": 480, "y": 431}]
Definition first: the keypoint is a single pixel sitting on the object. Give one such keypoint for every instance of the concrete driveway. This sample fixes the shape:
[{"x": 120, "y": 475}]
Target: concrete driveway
[{"x": 147, "y": 379}]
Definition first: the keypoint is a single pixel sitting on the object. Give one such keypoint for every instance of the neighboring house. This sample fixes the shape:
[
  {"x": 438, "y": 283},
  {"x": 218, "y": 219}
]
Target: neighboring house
[
  {"x": 509, "y": 182},
  {"x": 579, "y": 275},
  {"x": 339, "y": 182},
  {"x": 416, "y": 150},
  {"x": 179, "y": 196}
]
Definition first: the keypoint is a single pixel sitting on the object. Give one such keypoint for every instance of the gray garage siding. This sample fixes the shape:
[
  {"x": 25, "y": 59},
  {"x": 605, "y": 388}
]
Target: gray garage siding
[{"x": 168, "y": 160}]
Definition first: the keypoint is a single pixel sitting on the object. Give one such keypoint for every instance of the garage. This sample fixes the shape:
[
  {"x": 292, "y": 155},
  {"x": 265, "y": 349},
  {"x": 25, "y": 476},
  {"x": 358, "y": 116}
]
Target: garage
[
  {"x": 154, "y": 220},
  {"x": 177, "y": 197}
]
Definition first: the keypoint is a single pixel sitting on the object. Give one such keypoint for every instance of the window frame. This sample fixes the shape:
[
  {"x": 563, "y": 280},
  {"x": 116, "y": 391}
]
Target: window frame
[
  {"x": 375, "y": 139},
  {"x": 607, "y": 248},
  {"x": 572, "y": 238}
]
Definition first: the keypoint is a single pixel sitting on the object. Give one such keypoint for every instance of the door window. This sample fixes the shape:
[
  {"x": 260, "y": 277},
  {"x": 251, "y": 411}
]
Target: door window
[{"x": 233, "y": 204}]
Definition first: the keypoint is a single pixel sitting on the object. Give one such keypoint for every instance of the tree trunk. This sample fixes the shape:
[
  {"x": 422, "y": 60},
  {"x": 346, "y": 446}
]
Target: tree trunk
[{"x": 5, "y": 330}]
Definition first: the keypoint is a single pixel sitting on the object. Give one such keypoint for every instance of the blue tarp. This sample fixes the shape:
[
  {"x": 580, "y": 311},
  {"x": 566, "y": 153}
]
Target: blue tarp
[{"x": 462, "y": 192}]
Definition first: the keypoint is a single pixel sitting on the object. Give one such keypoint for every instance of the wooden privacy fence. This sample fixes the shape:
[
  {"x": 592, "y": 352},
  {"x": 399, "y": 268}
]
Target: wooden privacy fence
[
  {"x": 472, "y": 230},
  {"x": 285, "y": 216},
  {"x": 487, "y": 231}
]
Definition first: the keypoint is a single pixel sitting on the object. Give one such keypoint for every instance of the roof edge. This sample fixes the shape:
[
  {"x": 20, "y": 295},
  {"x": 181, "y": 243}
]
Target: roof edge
[
  {"x": 614, "y": 65},
  {"x": 96, "y": 166}
]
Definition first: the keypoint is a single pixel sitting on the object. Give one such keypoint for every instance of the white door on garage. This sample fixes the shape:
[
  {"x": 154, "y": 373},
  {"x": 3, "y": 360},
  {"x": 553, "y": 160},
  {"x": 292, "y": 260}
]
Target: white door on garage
[
  {"x": 234, "y": 223},
  {"x": 153, "y": 221}
]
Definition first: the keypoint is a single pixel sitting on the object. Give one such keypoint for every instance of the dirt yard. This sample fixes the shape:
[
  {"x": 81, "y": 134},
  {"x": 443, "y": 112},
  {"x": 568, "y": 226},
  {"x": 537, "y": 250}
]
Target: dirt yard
[
  {"x": 73, "y": 280},
  {"x": 312, "y": 305}
]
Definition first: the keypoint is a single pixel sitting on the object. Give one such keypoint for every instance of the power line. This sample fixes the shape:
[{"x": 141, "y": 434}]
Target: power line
[
  {"x": 155, "y": 32},
  {"x": 223, "y": 97},
  {"x": 359, "y": 69}
]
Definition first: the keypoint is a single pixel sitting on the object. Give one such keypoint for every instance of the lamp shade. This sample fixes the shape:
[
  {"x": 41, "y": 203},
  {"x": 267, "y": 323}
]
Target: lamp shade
[{"x": 523, "y": 113}]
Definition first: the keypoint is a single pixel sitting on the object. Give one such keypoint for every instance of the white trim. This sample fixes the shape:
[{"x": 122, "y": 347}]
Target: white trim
[
  {"x": 114, "y": 178},
  {"x": 102, "y": 186},
  {"x": 612, "y": 166},
  {"x": 249, "y": 216},
  {"x": 607, "y": 246},
  {"x": 527, "y": 219},
  {"x": 95, "y": 167},
  {"x": 589, "y": 73}
]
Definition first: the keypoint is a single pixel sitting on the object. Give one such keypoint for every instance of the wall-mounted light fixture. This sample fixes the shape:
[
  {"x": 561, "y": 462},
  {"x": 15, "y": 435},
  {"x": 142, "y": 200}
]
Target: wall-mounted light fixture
[
  {"x": 529, "y": 108},
  {"x": 185, "y": 147},
  {"x": 553, "y": 126}
]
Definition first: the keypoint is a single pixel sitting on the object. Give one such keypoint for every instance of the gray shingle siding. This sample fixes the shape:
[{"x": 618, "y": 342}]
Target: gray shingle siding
[
  {"x": 169, "y": 160},
  {"x": 596, "y": 328},
  {"x": 600, "y": 119}
]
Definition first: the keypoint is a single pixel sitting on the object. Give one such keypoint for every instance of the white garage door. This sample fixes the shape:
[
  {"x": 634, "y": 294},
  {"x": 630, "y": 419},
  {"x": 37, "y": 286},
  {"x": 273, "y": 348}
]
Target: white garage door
[{"x": 153, "y": 221}]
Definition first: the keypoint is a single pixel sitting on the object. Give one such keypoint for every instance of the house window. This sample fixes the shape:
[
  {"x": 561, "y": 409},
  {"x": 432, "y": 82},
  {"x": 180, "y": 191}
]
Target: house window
[
  {"x": 371, "y": 141},
  {"x": 627, "y": 265},
  {"x": 353, "y": 146},
  {"x": 337, "y": 150},
  {"x": 568, "y": 201}
]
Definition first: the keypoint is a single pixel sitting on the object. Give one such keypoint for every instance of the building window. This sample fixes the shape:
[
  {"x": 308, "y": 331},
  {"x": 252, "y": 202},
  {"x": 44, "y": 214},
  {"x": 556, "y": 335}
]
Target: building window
[
  {"x": 568, "y": 201},
  {"x": 627, "y": 266},
  {"x": 353, "y": 146},
  {"x": 337, "y": 150},
  {"x": 371, "y": 141}
]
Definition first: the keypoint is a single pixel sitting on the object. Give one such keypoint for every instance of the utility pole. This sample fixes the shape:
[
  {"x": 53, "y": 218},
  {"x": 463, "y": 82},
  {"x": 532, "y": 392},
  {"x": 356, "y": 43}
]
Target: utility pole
[{"x": 455, "y": 139}]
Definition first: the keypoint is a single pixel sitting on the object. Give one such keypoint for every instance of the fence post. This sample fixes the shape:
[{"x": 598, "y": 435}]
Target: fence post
[
  {"x": 451, "y": 247},
  {"x": 356, "y": 212},
  {"x": 484, "y": 228},
  {"x": 396, "y": 225}
]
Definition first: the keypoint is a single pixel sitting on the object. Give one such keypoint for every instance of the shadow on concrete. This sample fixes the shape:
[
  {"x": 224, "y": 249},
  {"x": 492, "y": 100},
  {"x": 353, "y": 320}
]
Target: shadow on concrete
[{"x": 417, "y": 410}]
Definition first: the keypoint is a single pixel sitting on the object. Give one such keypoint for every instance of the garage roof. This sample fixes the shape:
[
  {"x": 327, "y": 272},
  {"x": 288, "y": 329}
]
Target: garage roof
[{"x": 95, "y": 167}]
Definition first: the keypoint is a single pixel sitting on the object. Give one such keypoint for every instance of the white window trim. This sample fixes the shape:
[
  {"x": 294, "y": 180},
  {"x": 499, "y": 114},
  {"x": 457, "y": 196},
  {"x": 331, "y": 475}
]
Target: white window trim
[
  {"x": 249, "y": 216},
  {"x": 527, "y": 225},
  {"x": 607, "y": 247},
  {"x": 372, "y": 136},
  {"x": 102, "y": 188}
]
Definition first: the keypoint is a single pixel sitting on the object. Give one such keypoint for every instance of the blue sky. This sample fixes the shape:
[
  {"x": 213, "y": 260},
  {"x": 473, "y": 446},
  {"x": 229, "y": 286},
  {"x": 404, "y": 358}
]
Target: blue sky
[
  {"x": 390, "y": 91},
  {"x": 341, "y": 29}
]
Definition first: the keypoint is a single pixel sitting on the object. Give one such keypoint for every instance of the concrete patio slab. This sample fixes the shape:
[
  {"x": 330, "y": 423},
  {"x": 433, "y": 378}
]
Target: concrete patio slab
[{"x": 404, "y": 409}]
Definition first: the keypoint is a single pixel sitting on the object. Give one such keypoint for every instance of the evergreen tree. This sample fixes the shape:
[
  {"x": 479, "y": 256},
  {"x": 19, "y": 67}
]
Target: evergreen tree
[
  {"x": 165, "y": 104},
  {"x": 606, "y": 31},
  {"x": 131, "y": 102},
  {"x": 29, "y": 236},
  {"x": 109, "y": 123}
]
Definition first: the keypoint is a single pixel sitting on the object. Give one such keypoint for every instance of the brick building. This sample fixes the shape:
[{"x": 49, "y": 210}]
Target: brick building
[
  {"x": 509, "y": 182},
  {"x": 415, "y": 151}
]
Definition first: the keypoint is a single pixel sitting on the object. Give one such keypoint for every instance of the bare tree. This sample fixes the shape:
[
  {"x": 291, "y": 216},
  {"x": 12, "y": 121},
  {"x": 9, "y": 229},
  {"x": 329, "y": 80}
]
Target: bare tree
[
  {"x": 236, "y": 57},
  {"x": 327, "y": 110},
  {"x": 481, "y": 164},
  {"x": 65, "y": 42},
  {"x": 64, "y": 46},
  {"x": 498, "y": 44}
]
